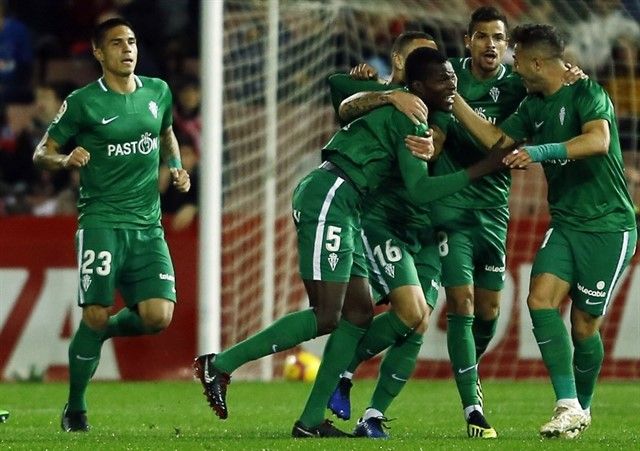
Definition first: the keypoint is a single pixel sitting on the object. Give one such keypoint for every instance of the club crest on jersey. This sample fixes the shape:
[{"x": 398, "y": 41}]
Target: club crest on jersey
[
  {"x": 60, "y": 113},
  {"x": 494, "y": 93},
  {"x": 333, "y": 260},
  {"x": 86, "y": 282},
  {"x": 561, "y": 115},
  {"x": 153, "y": 107},
  {"x": 390, "y": 270}
]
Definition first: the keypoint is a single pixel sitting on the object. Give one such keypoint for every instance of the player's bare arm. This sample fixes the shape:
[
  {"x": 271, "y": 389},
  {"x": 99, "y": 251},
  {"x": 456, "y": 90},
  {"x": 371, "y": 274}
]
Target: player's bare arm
[
  {"x": 47, "y": 156},
  {"x": 361, "y": 103},
  {"x": 594, "y": 140},
  {"x": 483, "y": 130},
  {"x": 171, "y": 154}
]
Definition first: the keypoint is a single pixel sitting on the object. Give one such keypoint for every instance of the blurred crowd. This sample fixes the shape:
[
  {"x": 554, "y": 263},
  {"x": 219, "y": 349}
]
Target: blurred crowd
[{"x": 35, "y": 35}]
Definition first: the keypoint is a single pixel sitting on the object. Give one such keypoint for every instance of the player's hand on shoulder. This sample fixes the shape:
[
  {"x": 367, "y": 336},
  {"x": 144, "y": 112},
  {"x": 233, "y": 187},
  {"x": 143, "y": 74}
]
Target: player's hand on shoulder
[
  {"x": 411, "y": 105},
  {"x": 78, "y": 158},
  {"x": 572, "y": 74},
  {"x": 421, "y": 146},
  {"x": 181, "y": 180},
  {"x": 363, "y": 71}
]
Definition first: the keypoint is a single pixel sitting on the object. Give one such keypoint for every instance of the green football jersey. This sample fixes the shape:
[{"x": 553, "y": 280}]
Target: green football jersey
[
  {"x": 589, "y": 194},
  {"x": 493, "y": 99},
  {"x": 391, "y": 203},
  {"x": 371, "y": 149},
  {"x": 119, "y": 185}
]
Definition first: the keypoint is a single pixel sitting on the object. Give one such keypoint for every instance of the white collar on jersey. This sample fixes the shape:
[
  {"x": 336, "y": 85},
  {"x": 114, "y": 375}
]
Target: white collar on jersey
[{"x": 103, "y": 86}]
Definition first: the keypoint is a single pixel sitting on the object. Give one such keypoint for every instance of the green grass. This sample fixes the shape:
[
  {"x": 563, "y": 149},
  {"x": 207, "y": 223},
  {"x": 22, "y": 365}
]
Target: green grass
[{"x": 174, "y": 415}]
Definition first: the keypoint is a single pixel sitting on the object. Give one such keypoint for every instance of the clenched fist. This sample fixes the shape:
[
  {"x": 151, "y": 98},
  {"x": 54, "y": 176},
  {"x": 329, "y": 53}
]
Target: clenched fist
[{"x": 78, "y": 158}]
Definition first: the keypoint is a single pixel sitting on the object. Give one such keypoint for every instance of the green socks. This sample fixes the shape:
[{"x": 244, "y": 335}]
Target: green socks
[
  {"x": 385, "y": 329},
  {"x": 483, "y": 332},
  {"x": 395, "y": 370},
  {"x": 84, "y": 356},
  {"x": 125, "y": 323},
  {"x": 587, "y": 361},
  {"x": 462, "y": 353},
  {"x": 555, "y": 346},
  {"x": 337, "y": 354},
  {"x": 285, "y": 333}
]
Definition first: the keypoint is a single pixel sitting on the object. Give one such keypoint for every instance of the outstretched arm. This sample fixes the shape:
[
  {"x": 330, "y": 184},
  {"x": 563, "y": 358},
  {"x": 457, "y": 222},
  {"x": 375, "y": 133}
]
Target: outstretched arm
[
  {"x": 361, "y": 103},
  {"x": 594, "y": 140},
  {"x": 423, "y": 188},
  {"x": 487, "y": 133}
]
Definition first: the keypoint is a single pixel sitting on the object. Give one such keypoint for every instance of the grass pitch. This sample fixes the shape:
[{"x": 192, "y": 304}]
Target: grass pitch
[{"x": 174, "y": 415}]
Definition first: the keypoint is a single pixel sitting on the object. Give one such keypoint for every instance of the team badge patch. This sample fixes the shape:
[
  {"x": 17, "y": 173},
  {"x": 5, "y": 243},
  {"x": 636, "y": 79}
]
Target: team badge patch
[
  {"x": 153, "y": 107},
  {"x": 494, "y": 93},
  {"x": 333, "y": 260},
  {"x": 86, "y": 282},
  {"x": 563, "y": 112},
  {"x": 390, "y": 270}
]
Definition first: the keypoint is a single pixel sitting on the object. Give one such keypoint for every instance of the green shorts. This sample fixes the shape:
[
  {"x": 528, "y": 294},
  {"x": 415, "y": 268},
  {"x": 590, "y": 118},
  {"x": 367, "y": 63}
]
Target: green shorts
[
  {"x": 472, "y": 245},
  {"x": 590, "y": 262},
  {"x": 326, "y": 213},
  {"x": 399, "y": 257},
  {"x": 136, "y": 262}
]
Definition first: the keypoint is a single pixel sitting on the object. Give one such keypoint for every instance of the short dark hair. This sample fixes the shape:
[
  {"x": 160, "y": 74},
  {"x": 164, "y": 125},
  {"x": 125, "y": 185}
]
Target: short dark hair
[
  {"x": 486, "y": 14},
  {"x": 403, "y": 40},
  {"x": 101, "y": 29},
  {"x": 539, "y": 35},
  {"x": 418, "y": 62}
]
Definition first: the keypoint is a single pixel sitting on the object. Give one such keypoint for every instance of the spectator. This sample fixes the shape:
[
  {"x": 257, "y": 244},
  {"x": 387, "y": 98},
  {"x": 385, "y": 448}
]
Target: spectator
[
  {"x": 16, "y": 59},
  {"x": 29, "y": 189},
  {"x": 186, "y": 109}
]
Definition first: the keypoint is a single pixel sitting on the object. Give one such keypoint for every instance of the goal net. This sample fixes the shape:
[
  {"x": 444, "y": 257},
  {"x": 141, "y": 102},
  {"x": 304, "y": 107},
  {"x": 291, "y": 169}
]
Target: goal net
[{"x": 277, "y": 116}]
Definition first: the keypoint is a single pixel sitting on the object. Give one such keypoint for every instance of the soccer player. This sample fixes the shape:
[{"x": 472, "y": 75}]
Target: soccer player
[
  {"x": 572, "y": 131},
  {"x": 472, "y": 224},
  {"x": 121, "y": 124},
  {"x": 327, "y": 207},
  {"x": 402, "y": 253}
]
